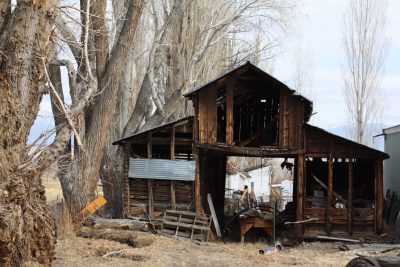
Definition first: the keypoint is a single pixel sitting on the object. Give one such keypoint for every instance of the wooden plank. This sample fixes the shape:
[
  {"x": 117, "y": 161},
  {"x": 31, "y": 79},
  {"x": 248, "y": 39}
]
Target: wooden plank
[
  {"x": 150, "y": 182},
  {"x": 330, "y": 189},
  {"x": 149, "y": 146},
  {"x": 172, "y": 144},
  {"x": 300, "y": 187},
  {"x": 173, "y": 201},
  {"x": 126, "y": 192},
  {"x": 196, "y": 120},
  {"x": 188, "y": 213},
  {"x": 252, "y": 151},
  {"x": 185, "y": 225},
  {"x": 212, "y": 116},
  {"x": 150, "y": 196},
  {"x": 283, "y": 125},
  {"x": 214, "y": 215},
  {"x": 350, "y": 198},
  {"x": 197, "y": 188},
  {"x": 229, "y": 111},
  {"x": 202, "y": 117},
  {"x": 172, "y": 156},
  {"x": 379, "y": 196}
]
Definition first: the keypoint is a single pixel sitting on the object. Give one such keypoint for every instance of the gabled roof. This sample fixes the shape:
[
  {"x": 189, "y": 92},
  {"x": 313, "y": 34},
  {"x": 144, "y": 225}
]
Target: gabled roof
[
  {"x": 158, "y": 128},
  {"x": 246, "y": 67},
  {"x": 249, "y": 68}
]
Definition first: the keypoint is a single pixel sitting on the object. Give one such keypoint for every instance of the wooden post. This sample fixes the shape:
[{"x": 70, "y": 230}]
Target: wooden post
[
  {"x": 149, "y": 146},
  {"x": 378, "y": 196},
  {"x": 300, "y": 186},
  {"x": 196, "y": 120},
  {"x": 211, "y": 120},
  {"x": 126, "y": 193},
  {"x": 229, "y": 111},
  {"x": 330, "y": 189},
  {"x": 197, "y": 184},
  {"x": 350, "y": 198},
  {"x": 150, "y": 182},
  {"x": 172, "y": 156}
]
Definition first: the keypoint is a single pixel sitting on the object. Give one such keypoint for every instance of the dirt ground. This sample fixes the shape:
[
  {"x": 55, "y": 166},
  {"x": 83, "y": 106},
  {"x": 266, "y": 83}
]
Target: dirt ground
[
  {"x": 165, "y": 251},
  {"x": 156, "y": 250}
]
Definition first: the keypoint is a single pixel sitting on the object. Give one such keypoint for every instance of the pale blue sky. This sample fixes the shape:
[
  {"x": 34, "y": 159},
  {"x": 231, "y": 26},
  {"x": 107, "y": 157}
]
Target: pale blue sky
[{"x": 320, "y": 29}]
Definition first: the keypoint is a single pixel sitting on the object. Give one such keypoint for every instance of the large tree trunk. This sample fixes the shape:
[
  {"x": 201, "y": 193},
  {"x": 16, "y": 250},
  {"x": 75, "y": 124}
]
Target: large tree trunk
[
  {"x": 80, "y": 184},
  {"x": 26, "y": 230}
]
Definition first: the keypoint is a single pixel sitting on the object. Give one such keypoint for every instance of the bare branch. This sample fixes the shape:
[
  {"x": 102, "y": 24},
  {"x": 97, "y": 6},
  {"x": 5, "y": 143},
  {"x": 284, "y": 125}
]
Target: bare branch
[{"x": 61, "y": 104}]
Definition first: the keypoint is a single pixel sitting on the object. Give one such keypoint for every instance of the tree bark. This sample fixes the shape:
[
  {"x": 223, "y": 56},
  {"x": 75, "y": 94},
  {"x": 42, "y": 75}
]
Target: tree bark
[{"x": 26, "y": 230}]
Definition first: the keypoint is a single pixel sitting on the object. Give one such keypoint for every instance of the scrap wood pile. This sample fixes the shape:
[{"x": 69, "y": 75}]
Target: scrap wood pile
[{"x": 245, "y": 204}]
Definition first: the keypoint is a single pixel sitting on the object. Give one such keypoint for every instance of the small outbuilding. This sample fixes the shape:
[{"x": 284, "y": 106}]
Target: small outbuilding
[
  {"x": 391, "y": 167},
  {"x": 247, "y": 112}
]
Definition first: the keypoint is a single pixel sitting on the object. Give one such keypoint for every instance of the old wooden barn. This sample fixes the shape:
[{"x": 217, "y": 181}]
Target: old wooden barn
[{"x": 247, "y": 112}]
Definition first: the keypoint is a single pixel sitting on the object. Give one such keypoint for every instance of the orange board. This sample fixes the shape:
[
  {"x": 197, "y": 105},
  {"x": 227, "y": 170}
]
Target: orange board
[{"x": 91, "y": 208}]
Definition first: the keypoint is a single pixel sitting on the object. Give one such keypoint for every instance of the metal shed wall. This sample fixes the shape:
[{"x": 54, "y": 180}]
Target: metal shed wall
[
  {"x": 162, "y": 169},
  {"x": 392, "y": 166}
]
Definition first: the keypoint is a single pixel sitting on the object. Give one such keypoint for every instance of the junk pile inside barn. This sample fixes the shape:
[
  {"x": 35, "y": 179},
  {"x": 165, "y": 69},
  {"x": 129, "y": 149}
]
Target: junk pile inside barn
[{"x": 247, "y": 112}]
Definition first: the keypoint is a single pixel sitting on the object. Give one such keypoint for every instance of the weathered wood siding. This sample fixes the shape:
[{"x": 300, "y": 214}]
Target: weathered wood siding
[{"x": 208, "y": 116}]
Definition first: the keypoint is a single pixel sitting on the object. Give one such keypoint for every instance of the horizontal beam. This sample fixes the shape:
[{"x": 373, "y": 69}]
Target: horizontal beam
[
  {"x": 250, "y": 151},
  {"x": 341, "y": 155}
]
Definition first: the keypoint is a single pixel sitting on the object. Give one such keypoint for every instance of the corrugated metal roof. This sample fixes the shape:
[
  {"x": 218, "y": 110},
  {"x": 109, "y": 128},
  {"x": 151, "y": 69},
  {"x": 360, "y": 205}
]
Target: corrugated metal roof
[{"x": 162, "y": 169}]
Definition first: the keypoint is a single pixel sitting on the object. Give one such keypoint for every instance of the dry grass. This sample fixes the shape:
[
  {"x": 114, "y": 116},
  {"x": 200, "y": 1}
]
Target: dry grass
[
  {"x": 164, "y": 251},
  {"x": 53, "y": 187}
]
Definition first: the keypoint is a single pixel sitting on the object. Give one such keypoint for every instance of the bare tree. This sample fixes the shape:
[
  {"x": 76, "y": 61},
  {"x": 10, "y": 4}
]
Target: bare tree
[
  {"x": 303, "y": 70},
  {"x": 364, "y": 47}
]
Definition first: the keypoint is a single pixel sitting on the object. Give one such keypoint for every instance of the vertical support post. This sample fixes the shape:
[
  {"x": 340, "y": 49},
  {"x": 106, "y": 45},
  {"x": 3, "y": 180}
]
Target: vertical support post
[
  {"x": 196, "y": 120},
  {"x": 126, "y": 193},
  {"x": 197, "y": 184},
  {"x": 350, "y": 198},
  {"x": 172, "y": 156},
  {"x": 150, "y": 182},
  {"x": 149, "y": 146},
  {"x": 330, "y": 189},
  {"x": 300, "y": 186},
  {"x": 229, "y": 111},
  {"x": 378, "y": 195}
]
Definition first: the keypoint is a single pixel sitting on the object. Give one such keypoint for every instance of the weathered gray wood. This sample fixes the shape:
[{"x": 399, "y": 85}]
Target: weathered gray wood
[
  {"x": 214, "y": 215},
  {"x": 338, "y": 239},
  {"x": 121, "y": 224},
  {"x": 186, "y": 224}
]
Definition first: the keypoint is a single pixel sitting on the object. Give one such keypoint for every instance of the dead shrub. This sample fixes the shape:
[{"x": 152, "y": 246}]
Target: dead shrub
[{"x": 63, "y": 219}]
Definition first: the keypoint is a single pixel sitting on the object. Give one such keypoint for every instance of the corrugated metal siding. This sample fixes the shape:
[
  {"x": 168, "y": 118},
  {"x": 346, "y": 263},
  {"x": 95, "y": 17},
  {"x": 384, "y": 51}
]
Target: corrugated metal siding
[
  {"x": 392, "y": 166},
  {"x": 162, "y": 169}
]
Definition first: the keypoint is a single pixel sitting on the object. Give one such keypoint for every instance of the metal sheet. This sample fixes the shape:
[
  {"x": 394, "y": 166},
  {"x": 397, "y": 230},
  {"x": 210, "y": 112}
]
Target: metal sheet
[
  {"x": 391, "y": 167},
  {"x": 162, "y": 169}
]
